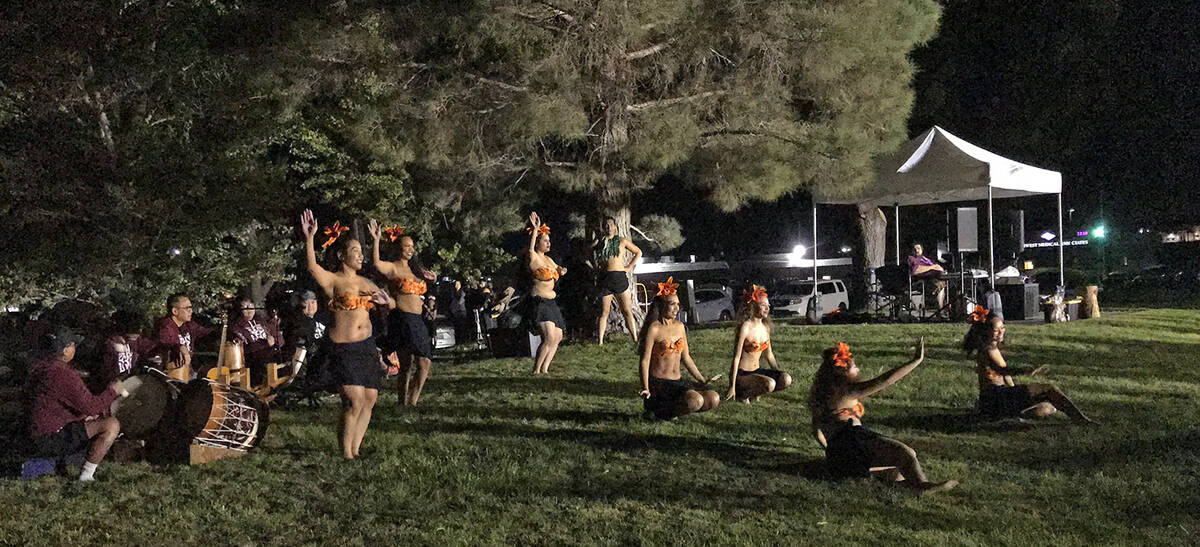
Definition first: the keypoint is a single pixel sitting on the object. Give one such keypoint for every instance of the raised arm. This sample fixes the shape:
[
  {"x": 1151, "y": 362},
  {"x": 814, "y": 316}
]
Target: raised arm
[
  {"x": 534, "y": 223},
  {"x": 870, "y": 387},
  {"x": 743, "y": 332},
  {"x": 386, "y": 268},
  {"x": 628, "y": 245},
  {"x": 308, "y": 224}
]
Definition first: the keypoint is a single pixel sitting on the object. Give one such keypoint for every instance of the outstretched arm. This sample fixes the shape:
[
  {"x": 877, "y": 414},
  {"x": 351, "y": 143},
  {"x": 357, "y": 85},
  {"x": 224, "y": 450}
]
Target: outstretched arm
[
  {"x": 628, "y": 245},
  {"x": 386, "y": 268},
  {"x": 877, "y": 384},
  {"x": 743, "y": 331},
  {"x": 308, "y": 225},
  {"x": 644, "y": 364}
]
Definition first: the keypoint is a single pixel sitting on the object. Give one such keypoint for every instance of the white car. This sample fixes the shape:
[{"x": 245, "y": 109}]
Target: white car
[
  {"x": 791, "y": 298},
  {"x": 714, "y": 303}
]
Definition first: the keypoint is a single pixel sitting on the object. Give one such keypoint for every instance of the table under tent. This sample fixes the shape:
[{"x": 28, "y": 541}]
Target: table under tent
[{"x": 938, "y": 167}]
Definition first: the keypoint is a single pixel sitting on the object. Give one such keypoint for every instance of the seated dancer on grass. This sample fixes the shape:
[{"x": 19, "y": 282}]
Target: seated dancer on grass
[
  {"x": 999, "y": 395},
  {"x": 662, "y": 347},
  {"x": 260, "y": 339},
  {"x": 407, "y": 333},
  {"x": 852, "y": 450},
  {"x": 752, "y": 342},
  {"x": 353, "y": 358},
  {"x": 64, "y": 416},
  {"x": 542, "y": 310},
  {"x": 614, "y": 282}
]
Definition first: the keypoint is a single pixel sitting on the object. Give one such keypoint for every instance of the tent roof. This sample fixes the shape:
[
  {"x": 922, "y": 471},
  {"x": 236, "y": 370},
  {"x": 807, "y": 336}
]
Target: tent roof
[{"x": 937, "y": 167}]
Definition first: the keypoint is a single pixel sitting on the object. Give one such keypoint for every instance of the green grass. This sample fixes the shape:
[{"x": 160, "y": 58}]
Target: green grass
[{"x": 495, "y": 456}]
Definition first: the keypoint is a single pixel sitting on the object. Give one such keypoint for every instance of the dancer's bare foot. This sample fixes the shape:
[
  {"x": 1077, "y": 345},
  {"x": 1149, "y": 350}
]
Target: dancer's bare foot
[{"x": 932, "y": 487}]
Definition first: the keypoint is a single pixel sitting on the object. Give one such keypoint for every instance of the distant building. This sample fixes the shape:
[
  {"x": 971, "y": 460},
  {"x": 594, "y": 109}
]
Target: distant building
[{"x": 1191, "y": 233}]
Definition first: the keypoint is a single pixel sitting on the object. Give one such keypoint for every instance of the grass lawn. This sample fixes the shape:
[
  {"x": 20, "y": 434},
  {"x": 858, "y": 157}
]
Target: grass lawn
[{"x": 496, "y": 456}]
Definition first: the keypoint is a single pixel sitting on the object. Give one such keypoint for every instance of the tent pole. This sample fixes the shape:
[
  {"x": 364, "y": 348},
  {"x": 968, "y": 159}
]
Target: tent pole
[
  {"x": 897, "y": 208},
  {"x": 1061, "y": 235},
  {"x": 814, "y": 246},
  {"x": 991, "y": 243}
]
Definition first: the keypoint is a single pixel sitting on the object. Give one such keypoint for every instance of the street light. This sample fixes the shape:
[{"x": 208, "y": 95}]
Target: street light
[
  {"x": 1098, "y": 232},
  {"x": 796, "y": 255}
]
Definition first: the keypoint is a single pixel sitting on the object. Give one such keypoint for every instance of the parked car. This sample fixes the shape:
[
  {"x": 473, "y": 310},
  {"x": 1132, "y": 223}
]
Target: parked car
[
  {"x": 714, "y": 303},
  {"x": 791, "y": 298},
  {"x": 443, "y": 333}
]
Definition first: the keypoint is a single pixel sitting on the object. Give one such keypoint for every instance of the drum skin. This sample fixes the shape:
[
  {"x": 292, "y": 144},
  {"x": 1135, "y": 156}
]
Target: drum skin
[
  {"x": 148, "y": 407},
  {"x": 223, "y": 415}
]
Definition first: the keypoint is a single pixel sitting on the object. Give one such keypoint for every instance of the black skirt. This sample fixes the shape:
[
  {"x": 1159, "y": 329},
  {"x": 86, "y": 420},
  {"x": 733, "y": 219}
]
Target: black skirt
[
  {"x": 408, "y": 333},
  {"x": 356, "y": 364},
  {"x": 542, "y": 310},
  {"x": 1004, "y": 401},
  {"x": 846, "y": 454},
  {"x": 666, "y": 396},
  {"x": 615, "y": 282}
]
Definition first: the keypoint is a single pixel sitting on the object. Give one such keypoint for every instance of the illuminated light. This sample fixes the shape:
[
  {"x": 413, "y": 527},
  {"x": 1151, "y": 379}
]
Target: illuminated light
[
  {"x": 176, "y": 251},
  {"x": 1028, "y": 264},
  {"x": 1047, "y": 236},
  {"x": 795, "y": 258},
  {"x": 1098, "y": 232},
  {"x": 1081, "y": 233},
  {"x": 845, "y": 249}
]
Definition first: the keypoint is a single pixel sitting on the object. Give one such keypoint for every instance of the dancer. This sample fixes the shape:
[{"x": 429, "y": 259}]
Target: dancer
[
  {"x": 407, "y": 335},
  {"x": 999, "y": 395},
  {"x": 852, "y": 450},
  {"x": 752, "y": 340},
  {"x": 353, "y": 359},
  {"x": 543, "y": 309},
  {"x": 663, "y": 346},
  {"x": 615, "y": 281}
]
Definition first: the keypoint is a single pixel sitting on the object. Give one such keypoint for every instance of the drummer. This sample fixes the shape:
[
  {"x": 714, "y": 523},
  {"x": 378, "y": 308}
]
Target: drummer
[
  {"x": 125, "y": 347},
  {"x": 261, "y": 340},
  {"x": 176, "y": 333},
  {"x": 63, "y": 414}
]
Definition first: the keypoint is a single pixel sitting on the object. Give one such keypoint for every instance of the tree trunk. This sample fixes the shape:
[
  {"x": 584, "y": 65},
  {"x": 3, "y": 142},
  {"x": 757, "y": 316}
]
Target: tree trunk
[
  {"x": 870, "y": 252},
  {"x": 258, "y": 289}
]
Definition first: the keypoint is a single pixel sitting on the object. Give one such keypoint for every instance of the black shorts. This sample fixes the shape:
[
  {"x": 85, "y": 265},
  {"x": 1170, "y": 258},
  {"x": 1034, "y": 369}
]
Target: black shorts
[
  {"x": 71, "y": 439},
  {"x": 355, "y": 364},
  {"x": 1004, "y": 401},
  {"x": 541, "y": 310},
  {"x": 615, "y": 282},
  {"x": 408, "y": 333},
  {"x": 846, "y": 453},
  {"x": 666, "y": 396}
]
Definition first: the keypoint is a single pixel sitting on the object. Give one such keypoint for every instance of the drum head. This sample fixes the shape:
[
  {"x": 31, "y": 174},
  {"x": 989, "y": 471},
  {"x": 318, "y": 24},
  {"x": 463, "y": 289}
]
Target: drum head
[
  {"x": 195, "y": 404},
  {"x": 142, "y": 411}
]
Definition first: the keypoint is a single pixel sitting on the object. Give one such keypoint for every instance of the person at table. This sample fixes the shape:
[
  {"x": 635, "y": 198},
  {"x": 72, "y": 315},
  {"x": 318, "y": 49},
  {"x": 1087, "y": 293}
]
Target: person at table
[
  {"x": 921, "y": 267},
  {"x": 177, "y": 333},
  {"x": 748, "y": 379},
  {"x": 260, "y": 340},
  {"x": 663, "y": 346},
  {"x": 64, "y": 417}
]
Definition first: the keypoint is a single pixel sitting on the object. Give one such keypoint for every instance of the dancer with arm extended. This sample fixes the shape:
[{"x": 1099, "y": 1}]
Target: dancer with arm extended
[
  {"x": 543, "y": 308},
  {"x": 408, "y": 335},
  {"x": 663, "y": 347},
  {"x": 615, "y": 280},
  {"x": 752, "y": 342},
  {"x": 999, "y": 394},
  {"x": 852, "y": 450},
  {"x": 353, "y": 359}
]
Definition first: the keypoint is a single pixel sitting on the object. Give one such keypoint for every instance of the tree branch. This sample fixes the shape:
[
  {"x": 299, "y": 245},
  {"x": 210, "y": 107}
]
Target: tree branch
[
  {"x": 668, "y": 102},
  {"x": 497, "y": 83},
  {"x": 641, "y": 233},
  {"x": 646, "y": 52}
]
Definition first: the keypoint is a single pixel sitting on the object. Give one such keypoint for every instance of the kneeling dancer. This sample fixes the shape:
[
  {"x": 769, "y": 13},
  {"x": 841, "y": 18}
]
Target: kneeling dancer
[
  {"x": 852, "y": 450},
  {"x": 752, "y": 341},
  {"x": 662, "y": 346},
  {"x": 353, "y": 359},
  {"x": 999, "y": 395}
]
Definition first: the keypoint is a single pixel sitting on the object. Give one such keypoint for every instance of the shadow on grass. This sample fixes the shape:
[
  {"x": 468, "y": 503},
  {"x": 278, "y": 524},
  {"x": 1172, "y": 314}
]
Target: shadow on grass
[{"x": 507, "y": 385}]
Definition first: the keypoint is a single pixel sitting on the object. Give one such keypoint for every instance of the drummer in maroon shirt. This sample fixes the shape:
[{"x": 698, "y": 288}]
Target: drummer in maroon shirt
[
  {"x": 125, "y": 347},
  {"x": 261, "y": 340},
  {"x": 64, "y": 415},
  {"x": 177, "y": 332}
]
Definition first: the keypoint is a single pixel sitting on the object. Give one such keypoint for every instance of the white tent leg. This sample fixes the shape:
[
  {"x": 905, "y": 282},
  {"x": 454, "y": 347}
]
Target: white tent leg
[
  {"x": 897, "y": 208},
  {"x": 991, "y": 243},
  {"x": 816, "y": 298},
  {"x": 1061, "y": 279}
]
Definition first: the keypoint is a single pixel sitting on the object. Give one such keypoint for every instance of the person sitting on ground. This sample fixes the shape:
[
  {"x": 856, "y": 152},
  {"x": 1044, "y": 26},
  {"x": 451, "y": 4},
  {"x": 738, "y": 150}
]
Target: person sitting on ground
[
  {"x": 64, "y": 415},
  {"x": 852, "y": 450},
  {"x": 662, "y": 346},
  {"x": 752, "y": 341},
  {"x": 921, "y": 267},
  {"x": 260, "y": 340},
  {"x": 124, "y": 349},
  {"x": 999, "y": 394},
  {"x": 177, "y": 334}
]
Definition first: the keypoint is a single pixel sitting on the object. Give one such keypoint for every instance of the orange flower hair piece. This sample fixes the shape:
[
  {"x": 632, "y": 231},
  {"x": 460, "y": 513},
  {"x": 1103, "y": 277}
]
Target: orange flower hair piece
[
  {"x": 543, "y": 230},
  {"x": 334, "y": 232},
  {"x": 755, "y": 294},
  {"x": 979, "y": 315},
  {"x": 841, "y": 358},
  {"x": 394, "y": 232},
  {"x": 667, "y": 288}
]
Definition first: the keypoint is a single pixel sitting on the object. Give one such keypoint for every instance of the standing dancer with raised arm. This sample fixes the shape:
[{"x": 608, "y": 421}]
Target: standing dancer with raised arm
[
  {"x": 615, "y": 281},
  {"x": 408, "y": 335},
  {"x": 354, "y": 359},
  {"x": 546, "y": 317},
  {"x": 751, "y": 343},
  {"x": 662, "y": 349},
  {"x": 852, "y": 450}
]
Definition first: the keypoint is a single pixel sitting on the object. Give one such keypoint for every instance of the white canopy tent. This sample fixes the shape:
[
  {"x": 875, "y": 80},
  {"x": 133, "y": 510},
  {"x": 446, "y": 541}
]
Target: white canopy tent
[{"x": 937, "y": 167}]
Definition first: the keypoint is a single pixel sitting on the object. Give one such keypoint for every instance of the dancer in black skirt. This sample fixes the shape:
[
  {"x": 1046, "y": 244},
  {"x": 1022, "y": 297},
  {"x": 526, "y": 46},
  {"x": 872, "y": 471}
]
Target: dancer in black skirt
[
  {"x": 408, "y": 336},
  {"x": 542, "y": 309}
]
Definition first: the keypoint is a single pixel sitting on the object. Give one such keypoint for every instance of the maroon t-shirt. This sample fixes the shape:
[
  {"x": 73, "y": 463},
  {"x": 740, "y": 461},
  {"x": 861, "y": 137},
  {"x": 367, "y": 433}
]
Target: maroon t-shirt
[
  {"x": 254, "y": 333},
  {"x": 121, "y": 354},
  {"x": 172, "y": 337},
  {"x": 58, "y": 397}
]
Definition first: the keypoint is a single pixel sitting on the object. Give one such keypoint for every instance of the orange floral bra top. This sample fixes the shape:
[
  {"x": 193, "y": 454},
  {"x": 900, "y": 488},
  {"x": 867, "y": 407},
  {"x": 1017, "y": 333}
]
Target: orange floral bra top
[
  {"x": 350, "y": 301},
  {"x": 662, "y": 348},
  {"x": 991, "y": 375},
  {"x": 755, "y": 347},
  {"x": 411, "y": 286},
  {"x": 856, "y": 412},
  {"x": 545, "y": 274}
]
